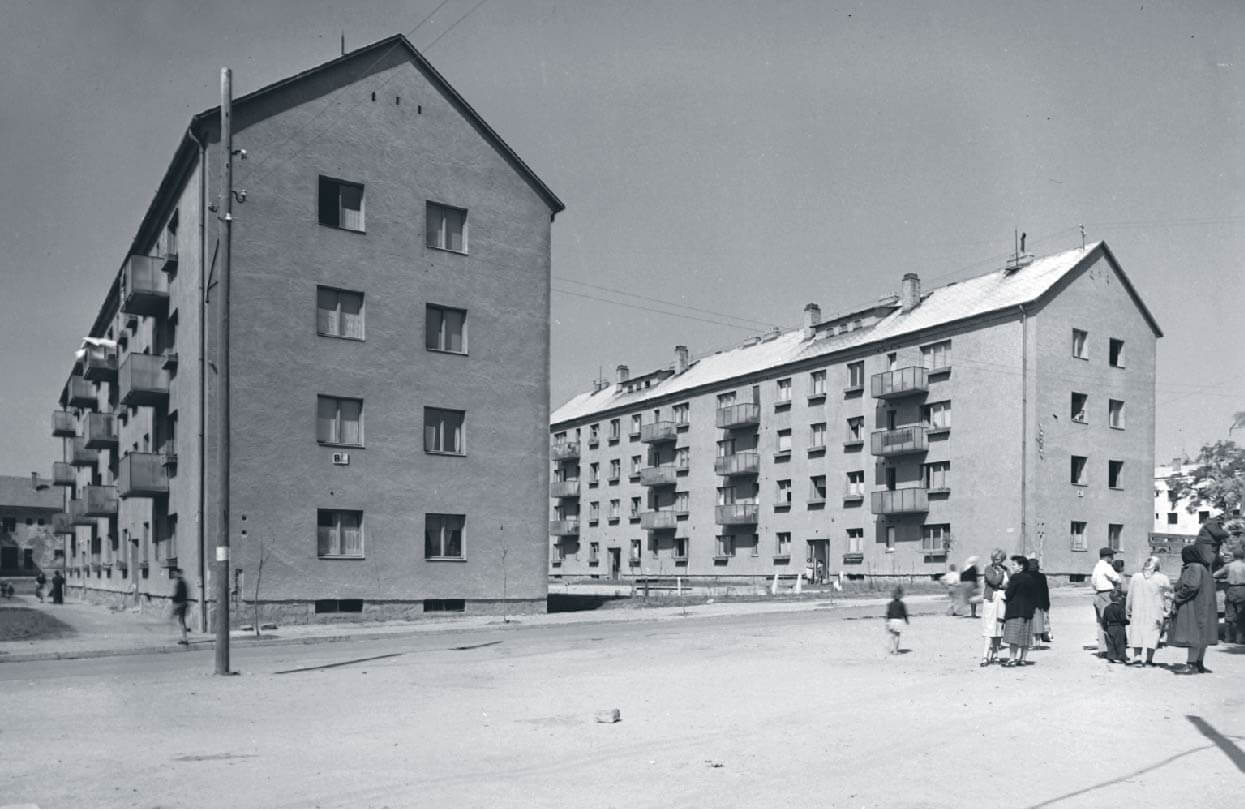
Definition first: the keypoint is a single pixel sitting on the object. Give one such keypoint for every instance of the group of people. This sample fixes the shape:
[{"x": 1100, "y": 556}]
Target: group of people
[
  {"x": 1015, "y": 609},
  {"x": 58, "y": 587}
]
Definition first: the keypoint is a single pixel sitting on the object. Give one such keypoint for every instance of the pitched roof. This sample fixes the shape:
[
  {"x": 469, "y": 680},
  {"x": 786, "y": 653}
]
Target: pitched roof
[
  {"x": 17, "y": 492},
  {"x": 958, "y": 301}
]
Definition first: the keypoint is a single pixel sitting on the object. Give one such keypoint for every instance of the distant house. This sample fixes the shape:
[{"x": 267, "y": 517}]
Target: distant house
[
  {"x": 27, "y": 542},
  {"x": 1173, "y": 521}
]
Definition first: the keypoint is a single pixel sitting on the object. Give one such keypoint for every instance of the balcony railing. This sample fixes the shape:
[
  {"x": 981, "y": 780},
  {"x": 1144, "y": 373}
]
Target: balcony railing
[
  {"x": 62, "y": 523},
  {"x": 655, "y": 432},
  {"x": 742, "y": 415},
  {"x": 64, "y": 424},
  {"x": 142, "y": 475},
  {"x": 142, "y": 381},
  {"x": 897, "y": 442},
  {"x": 144, "y": 288},
  {"x": 62, "y": 474},
  {"x": 663, "y": 475},
  {"x": 745, "y": 463},
  {"x": 99, "y": 501},
  {"x": 912, "y": 500},
  {"x": 100, "y": 363},
  {"x": 564, "y": 489},
  {"x": 564, "y": 451},
  {"x": 564, "y": 528},
  {"x": 659, "y": 520},
  {"x": 100, "y": 431},
  {"x": 80, "y": 455},
  {"x": 82, "y": 393},
  {"x": 735, "y": 514},
  {"x": 901, "y": 382}
]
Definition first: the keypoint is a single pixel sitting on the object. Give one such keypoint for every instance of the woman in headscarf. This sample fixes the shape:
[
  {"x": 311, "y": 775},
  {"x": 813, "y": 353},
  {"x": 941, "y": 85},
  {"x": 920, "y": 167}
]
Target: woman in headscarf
[
  {"x": 1194, "y": 598},
  {"x": 1149, "y": 602},
  {"x": 995, "y": 579},
  {"x": 1041, "y": 611},
  {"x": 968, "y": 585},
  {"x": 1021, "y": 601}
]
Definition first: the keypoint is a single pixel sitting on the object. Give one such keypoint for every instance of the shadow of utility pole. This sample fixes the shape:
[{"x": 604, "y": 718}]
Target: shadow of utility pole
[{"x": 1225, "y": 745}]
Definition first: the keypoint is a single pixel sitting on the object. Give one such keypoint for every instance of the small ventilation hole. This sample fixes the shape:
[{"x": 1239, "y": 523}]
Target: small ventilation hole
[{"x": 373, "y": 95}]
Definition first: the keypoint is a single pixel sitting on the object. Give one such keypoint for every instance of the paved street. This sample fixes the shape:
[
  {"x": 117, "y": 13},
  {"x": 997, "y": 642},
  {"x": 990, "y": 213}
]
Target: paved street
[{"x": 781, "y": 709}]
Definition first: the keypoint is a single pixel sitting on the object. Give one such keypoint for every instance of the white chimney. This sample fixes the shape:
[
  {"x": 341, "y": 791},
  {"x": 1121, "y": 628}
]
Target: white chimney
[
  {"x": 680, "y": 359},
  {"x": 623, "y": 374},
  {"x": 812, "y": 317},
  {"x": 910, "y": 292}
]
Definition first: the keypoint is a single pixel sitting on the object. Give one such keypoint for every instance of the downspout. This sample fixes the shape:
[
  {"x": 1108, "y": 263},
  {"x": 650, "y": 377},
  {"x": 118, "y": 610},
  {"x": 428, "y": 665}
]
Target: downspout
[
  {"x": 1024, "y": 430},
  {"x": 203, "y": 200}
]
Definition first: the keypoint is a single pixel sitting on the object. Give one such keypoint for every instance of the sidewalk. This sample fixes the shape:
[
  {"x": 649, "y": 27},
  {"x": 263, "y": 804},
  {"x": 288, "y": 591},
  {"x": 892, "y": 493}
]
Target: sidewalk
[{"x": 100, "y": 632}]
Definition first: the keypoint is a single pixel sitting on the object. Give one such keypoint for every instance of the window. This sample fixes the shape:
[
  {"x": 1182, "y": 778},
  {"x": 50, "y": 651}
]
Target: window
[
  {"x": 652, "y": 546},
  {"x": 680, "y": 503},
  {"x": 1173, "y": 518},
  {"x": 856, "y": 375},
  {"x": 1115, "y": 352},
  {"x": 594, "y": 553},
  {"x": 1078, "y": 470},
  {"x": 445, "y": 329},
  {"x": 635, "y": 424},
  {"x": 680, "y": 548},
  {"x": 680, "y": 458},
  {"x": 856, "y": 483},
  {"x": 1115, "y": 413},
  {"x": 938, "y": 475},
  {"x": 784, "y": 492},
  {"x": 615, "y": 470},
  {"x": 1077, "y": 534},
  {"x": 726, "y": 545},
  {"x": 615, "y": 429},
  {"x": 726, "y": 400},
  {"x": 447, "y": 228},
  {"x": 341, "y": 204},
  {"x": 890, "y": 539},
  {"x": 1080, "y": 343},
  {"x": 726, "y": 496},
  {"x": 892, "y": 361},
  {"x": 339, "y": 421},
  {"x": 855, "y": 540},
  {"x": 635, "y": 507},
  {"x": 817, "y": 489},
  {"x": 636, "y": 463},
  {"x": 443, "y": 431},
  {"x": 1078, "y": 406},
  {"x": 635, "y": 551},
  {"x": 784, "y": 545},
  {"x": 816, "y": 435},
  {"x": 1203, "y": 516},
  {"x": 726, "y": 447},
  {"x": 594, "y": 512},
  {"x": 855, "y": 429},
  {"x": 443, "y": 537},
  {"x": 615, "y": 509},
  {"x": 594, "y": 473},
  {"x": 936, "y": 356},
  {"x": 1115, "y": 534},
  {"x": 937, "y": 415},
  {"x": 784, "y": 391},
  {"x": 681, "y": 413},
  {"x": 594, "y": 435},
  {"x": 339, "y": 313},
  {"x": 936, "y": 539},
  {"x": 784, "y": 440},
  {"x": 817, "y": 384},
  {"x": 557, "y": 554},
  {"x": 1115, "y": 474},
  {"x": 339, "y": 533}
]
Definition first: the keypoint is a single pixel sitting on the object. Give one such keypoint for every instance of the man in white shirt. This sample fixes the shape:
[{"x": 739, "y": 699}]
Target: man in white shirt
[{"x": 1104, "y": 580}]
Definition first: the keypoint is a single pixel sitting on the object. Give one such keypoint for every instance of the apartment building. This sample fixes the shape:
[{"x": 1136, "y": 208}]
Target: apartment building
[
  {"x": 836, "y": 443},
  {"x": 1172, "y": 516},
  {"x": 28, "y": 506},
  {"x": 387, "y": 422}
]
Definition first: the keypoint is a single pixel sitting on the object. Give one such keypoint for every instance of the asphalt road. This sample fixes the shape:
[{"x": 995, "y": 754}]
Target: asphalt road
[{"x": 794, "y": 709}]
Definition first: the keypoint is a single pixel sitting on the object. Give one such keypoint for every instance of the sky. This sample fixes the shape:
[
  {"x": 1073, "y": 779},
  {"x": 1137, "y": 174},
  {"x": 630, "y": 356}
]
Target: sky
[{"x": 723, "y": 163}]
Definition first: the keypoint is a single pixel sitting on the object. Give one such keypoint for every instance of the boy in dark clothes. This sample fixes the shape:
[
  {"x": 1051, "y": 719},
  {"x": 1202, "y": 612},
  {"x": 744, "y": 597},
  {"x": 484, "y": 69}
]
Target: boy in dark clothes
[
  {"x": 1114, "y": 620},
  {"x": 896, "y": 618}
]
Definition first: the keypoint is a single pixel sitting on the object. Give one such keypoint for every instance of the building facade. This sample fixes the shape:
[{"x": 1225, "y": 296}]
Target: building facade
[
  {"x": 28, "y": 544},
  {"x": 833, "y": 448},
  {"x": 1172, "y": 516},
  {"x": 387, "y": 429}
]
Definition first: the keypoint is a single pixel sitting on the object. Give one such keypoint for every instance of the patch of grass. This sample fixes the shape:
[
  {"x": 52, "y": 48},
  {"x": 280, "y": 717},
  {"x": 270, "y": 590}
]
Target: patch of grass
[{"x": 28, "y": 624}]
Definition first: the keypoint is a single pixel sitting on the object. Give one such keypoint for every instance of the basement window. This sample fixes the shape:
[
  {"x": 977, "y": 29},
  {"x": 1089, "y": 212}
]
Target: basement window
[
  {"x": 445, "y": 605},
  {"x": 339, "y": 606}
]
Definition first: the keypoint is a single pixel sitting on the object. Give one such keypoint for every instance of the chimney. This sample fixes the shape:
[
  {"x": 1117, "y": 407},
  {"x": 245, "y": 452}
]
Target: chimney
[
  {"x": 623, "y": 374},
  {"x": 680, "y": 359},
  {"x": 812, "y": 317},
  {"x": 910, "y": 292},
  {"x": 34, "y": 480}
]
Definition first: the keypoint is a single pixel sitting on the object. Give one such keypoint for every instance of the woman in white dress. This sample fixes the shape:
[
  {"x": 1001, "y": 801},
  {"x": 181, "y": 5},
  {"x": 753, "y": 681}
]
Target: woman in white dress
[
  {"x": 1149, "y": 603},
  {"x": 994, "y": 584}
]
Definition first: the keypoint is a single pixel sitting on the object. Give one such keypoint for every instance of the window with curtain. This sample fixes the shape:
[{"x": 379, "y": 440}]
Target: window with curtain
[
  {"x": 446, "y": 329},
  {"x": 443, "y": 537},
  {"x": 340, "y": 533},
  {"x": 443, "y": 431},
  {"x": 447, "y": 228},
  {"x": 339, "y": 313},
  {"x": 341, "y": 204},
  {"x": 339, "y": 420}
]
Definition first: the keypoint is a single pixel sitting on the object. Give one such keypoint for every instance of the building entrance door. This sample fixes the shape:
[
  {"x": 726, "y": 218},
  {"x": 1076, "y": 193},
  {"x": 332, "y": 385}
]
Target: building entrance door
[
  {"x": 615, "y": 563},
  {"x": 818, "y": 559}
]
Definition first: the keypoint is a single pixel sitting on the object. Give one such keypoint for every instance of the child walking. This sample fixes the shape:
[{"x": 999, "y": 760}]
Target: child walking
[
  {"x": 896, "y": 618},
  {"x": 1114, "y": 620}
]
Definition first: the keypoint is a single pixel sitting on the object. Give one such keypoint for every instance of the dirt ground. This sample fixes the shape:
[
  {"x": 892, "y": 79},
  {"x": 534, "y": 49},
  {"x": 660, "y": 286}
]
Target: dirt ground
[{"x": 796, "y": 709}]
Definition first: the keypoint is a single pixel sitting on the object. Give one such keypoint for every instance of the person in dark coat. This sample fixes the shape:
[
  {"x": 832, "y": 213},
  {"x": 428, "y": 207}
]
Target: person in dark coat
[
  {"x": 969, "y": 586},
  {"x": 1114, "y": 622},
  {"x": 1041, "y": 614},
  {"x": 1210, "y": 540},
  {"x": 1196, "y": 623},
  {"x": 1021, "y": 599},
  {"x": 58, "y": 589}
]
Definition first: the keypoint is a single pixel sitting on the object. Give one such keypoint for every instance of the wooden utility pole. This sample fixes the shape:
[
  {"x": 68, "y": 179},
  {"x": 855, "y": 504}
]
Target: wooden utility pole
[{"x": 222, "y": 373}]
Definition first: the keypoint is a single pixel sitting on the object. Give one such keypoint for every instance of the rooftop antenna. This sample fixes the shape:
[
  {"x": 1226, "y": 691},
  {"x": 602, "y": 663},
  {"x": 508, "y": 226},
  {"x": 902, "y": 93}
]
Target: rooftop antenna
[
  {"x": 1020, "y": 258},
  {"x": 343, "y": 43},
  {"x": 1082, "y": 237}
]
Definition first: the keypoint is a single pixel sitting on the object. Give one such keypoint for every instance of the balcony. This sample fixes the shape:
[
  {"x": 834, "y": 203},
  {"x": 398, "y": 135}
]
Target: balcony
[
  {"x": 81, "y": 393},
  {"x": 99, "y": 501},
  {"x": 168, "y": 452},
  {"x": 144, "y": 288},
  {"x": 659, "y": 520},
  {"x": 142, "y": 381},
  {"x": 737, "y": 416},
  {"x": 663, "y": 475},
  {"x": 564, "y": 451},
  {"x": 142, "y": 475},
  {"x": 62, "y": 523},
  {"x": 901, "y": 382},
  {"x": 100, "y": 363},
  {"x": 64, "y": 424},
  {"x": 900, "y": 441},
  {"x": 99, "y": 431},
  {"x": 80, "y": 456},
  {"x": 655, "y": 432},
  {"x": 62, "y": 474},
  {"x": 564, "y": 489},
  {"x": 78, "y": 515},
  {"x": 735, "y": 514},
  {"x": 745, "y": 463},
  {"x": 564, "y": 528},
  {"x": 910, "y": 501}
]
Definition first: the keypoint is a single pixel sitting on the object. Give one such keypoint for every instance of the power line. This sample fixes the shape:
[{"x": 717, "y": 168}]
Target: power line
[
  {"x": 455, "y": 25},
  {"x": 650, "y": 309},
  {"x": 765, "y": 324}
]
